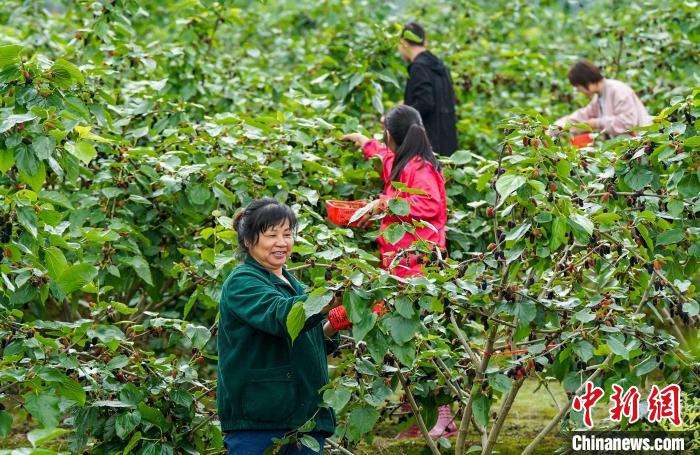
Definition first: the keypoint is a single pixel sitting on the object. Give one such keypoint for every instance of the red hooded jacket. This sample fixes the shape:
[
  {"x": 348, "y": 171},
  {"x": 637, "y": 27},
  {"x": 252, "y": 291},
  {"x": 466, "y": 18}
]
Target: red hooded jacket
[{"x": 430, "y": 207}]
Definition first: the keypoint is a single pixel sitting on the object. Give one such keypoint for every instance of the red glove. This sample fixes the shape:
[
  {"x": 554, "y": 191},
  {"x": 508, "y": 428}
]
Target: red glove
[{"x": 338, "y": 316}]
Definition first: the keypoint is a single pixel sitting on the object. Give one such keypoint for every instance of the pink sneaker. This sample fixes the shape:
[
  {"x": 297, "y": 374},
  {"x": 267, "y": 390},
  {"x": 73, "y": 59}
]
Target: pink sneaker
[
  {"x": 444, "y": 423},
  {"x": 443, "y": 427}
]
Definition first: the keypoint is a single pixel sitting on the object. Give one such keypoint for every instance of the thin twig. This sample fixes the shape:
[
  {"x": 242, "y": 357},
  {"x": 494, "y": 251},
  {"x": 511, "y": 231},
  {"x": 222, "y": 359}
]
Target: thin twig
[{"x": 416, "y": 413}]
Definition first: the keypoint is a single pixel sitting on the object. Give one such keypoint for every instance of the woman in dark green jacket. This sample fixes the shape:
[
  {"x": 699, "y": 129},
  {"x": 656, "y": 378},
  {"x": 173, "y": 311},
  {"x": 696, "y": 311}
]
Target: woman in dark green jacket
[{"x": 267, "y": 385}]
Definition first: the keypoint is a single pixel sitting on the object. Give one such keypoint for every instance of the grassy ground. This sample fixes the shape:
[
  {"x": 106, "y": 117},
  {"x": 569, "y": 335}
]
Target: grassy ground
[{"x": 530, "y": 413}]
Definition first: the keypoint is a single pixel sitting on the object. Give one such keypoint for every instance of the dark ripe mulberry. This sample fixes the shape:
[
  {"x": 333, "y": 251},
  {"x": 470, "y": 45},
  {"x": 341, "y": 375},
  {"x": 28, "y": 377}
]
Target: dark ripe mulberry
[
  {"x": 658, "y": 358},
  {"x": 511, "y": 373},
  {"x": 530, "y": 281},
  {"x": 485, "y": 322},
  {"x": 550, "y": 295},
  {"x": 649, "y": 266},
  {"x": 580, "y": 365},
  {"x": 539, "y": 367},
  {"x": 605, "y": 249},
  {"x": 502, "y": 237},
  {"x": 484, "y": 285},
  {"x": 511, "y": 224},
  {"x": 329, "y": 275},
  {"x": 549, "y": 357},
  {"x": 633, "y": 261}
]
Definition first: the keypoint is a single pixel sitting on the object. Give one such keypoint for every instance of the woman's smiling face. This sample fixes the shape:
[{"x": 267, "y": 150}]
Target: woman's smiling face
[{"x": 274, "y": 246}]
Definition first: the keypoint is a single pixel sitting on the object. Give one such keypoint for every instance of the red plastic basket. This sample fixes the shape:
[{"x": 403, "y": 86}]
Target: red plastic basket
[
  {"x": 581, "y": 140},
  {"x": 340, "y": 212}
]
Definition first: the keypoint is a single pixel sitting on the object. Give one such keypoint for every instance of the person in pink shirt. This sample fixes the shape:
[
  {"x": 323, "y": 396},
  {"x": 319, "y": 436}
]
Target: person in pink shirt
[
  {"x": 407, "y": 158},
  {"x": 614, "y": 107}
]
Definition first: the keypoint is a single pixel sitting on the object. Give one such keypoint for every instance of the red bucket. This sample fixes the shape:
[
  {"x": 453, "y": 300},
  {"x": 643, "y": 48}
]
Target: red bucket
[
  {"x": 340, "y": 212},
  {"x": 581, "y": 140}
]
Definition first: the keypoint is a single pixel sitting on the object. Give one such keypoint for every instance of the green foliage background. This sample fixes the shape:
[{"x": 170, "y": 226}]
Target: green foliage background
[{"x": 131, "y": 131}]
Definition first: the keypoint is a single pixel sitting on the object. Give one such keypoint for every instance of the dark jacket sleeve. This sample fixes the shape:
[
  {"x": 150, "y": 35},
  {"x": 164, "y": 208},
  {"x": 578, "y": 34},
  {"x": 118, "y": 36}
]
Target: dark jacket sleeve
[
  {"x": 420, "y": 90},
  {"x": 332, "y": 343},
  {"x": 262, "y": 306}
]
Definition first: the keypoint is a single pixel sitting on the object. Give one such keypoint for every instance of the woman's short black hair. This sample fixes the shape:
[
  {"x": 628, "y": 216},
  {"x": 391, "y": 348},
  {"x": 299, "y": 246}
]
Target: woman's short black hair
[
  {"x": 258, "y": 217},
  {"x": 584, "y": 73}
]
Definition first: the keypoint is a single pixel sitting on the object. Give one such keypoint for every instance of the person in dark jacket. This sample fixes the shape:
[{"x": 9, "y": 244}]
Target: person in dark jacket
[
  {"x": 267, "y": 385},
  {"x": 429, "y": 90}
]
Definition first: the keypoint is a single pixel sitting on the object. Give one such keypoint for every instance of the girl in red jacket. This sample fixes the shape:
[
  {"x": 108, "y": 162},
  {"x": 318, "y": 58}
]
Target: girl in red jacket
[{"x": 408, "y": 159}]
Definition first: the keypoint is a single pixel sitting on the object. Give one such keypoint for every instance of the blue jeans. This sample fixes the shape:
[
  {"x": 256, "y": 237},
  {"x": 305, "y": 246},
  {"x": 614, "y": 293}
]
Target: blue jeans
[{"x": 255, "y": 442}]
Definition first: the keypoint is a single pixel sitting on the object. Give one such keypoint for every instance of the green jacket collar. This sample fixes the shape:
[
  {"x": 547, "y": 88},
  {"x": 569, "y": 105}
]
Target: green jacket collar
[{"x": 274, "y": 278}]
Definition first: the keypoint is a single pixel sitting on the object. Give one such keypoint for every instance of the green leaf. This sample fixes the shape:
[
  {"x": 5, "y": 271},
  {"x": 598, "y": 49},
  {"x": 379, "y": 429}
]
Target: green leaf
[
  {"x": 508, "y": 184},
  {"x": 140, "y": 266},
  {"x": 402, "y": 329},
  {"x": 71, "y": 389},
  {"x": 639, "y": 177},
  {"x": 480, "y": 408},
  {"x": 295, "y": 320},
  {"x": 583, "y": 222},
  {"x": 316, "y": 301},
  {"x": 44, "y": 408},
  {"x": 394, "y": 233},
  {"x": 5, "y": 424},
  {"x": 76, "y": 276},
  {"x": 41, "y": 436},
  {"x": 26, "y": 216},
  {"x": 584, "y": 350},
  {"x": 310, "y": 442},
  {"x": 7, "y": 160},
  {"x": 525, "y": 312},
  {"x": 361, "y": 421},
  {"x": 337, "y": 398},
  {"x": 618, "y": 347},
  {"x": 135, "y": 439},
  {"x": 9, "y": 55},
  {"x": 154, "y": 416},
  {"x": 36, "y": 179},
  {"x": 669, "y": 237},
  {"x": 43, "y": 146},
  {"x": 399, "y": 206},
  {"x": 646, "y": 366},
  {"x": 126, "y": 422},
  {"x": 689, "y": 186},
  {"x": 515, "y": 234},
  {"x": 644, "y": 232},
  {"x": 82, "y": 150},
  {"x": 198, "y": 335},
  {"x": 65, "y": 73},
  {"x": 403, "y": 188},
  {"x": 558, "y": 233}
]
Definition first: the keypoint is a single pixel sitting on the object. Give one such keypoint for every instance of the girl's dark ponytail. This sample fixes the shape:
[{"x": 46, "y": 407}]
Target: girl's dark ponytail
[{"x": 406, "y": 128}]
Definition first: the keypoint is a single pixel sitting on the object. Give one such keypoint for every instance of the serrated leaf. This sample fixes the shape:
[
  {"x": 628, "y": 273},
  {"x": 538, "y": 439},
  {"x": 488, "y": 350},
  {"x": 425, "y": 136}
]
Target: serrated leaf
[
  {"x": 295, "y": 320},
  {"x": 41, "y": 436},
  {"x": 82, "y": 150},
  {"x": 76, "y": 276},
  {"x": 394, "y": 233},
  {"x": 316, "y": 301},
  {"x": 507, "y": 184},
  {"x": 126, "y": 422}
]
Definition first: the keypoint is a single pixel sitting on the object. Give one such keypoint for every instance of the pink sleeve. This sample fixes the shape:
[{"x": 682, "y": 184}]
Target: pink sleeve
[
  {"x": 580, "y": 115},
  {"x": 623, "y": 116},
  {"x": 372, "y": 148}
]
